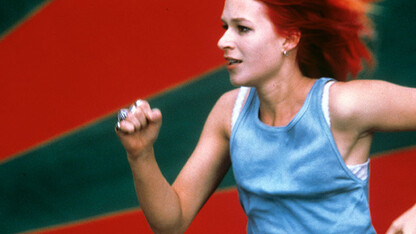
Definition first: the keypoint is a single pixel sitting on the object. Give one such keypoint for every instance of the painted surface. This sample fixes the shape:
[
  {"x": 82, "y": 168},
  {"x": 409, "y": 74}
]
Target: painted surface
[
  {"x": 75, "y": 61},
  {"x": 66, "y": 67}
]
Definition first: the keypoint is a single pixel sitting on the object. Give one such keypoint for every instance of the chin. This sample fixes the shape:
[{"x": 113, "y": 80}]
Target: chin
[
  {"x": 238, "y": 81},
  {"x": 237, "y": 84},
  {"x": 234, "y": 83}
]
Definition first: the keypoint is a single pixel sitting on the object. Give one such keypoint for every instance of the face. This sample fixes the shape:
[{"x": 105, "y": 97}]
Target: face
[{"x": 251, "y": 47}]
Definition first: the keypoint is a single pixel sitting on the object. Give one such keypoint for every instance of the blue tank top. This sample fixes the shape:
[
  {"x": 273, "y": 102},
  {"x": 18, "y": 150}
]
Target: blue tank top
[{"x": 292, "y": 179}]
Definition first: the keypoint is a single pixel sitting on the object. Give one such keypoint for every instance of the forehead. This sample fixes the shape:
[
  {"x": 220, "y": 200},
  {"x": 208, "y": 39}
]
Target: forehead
[{"x": 246, "y": 9}]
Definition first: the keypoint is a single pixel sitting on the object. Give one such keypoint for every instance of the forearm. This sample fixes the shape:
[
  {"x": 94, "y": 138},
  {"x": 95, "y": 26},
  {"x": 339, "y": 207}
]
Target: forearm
[
  {"x": 170, "y": 209},
  {"x": 158, "y": 200}
]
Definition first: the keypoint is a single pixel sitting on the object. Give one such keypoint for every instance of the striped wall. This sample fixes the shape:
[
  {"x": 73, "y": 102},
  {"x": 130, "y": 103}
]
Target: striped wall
[{"x": 67, "y": 66}]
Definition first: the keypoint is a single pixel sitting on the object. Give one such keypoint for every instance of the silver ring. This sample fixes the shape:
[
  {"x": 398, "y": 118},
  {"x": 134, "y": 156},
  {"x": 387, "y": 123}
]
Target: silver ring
[
  {"x": 122, "y": 114},
  {"x": 118, "y": 126}
]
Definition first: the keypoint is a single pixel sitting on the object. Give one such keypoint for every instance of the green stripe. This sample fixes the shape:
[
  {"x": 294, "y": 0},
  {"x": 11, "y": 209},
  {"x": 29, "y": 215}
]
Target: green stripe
[
  {"x": 395, "y": 52},
  {"x": 13, "y": 11},
  {"x": 86, "y": 173},
  {"x": 394, "y": 45}
]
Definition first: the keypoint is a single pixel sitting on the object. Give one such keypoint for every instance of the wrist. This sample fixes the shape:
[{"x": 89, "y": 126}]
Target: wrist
[{"x": 140, "y": 156}]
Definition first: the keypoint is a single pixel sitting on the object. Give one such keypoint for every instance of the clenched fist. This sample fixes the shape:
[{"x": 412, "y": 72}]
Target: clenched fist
[{"x": 138, "y": 128}]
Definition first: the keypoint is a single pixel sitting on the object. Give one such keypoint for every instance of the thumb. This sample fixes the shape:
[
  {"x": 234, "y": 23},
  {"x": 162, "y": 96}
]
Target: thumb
[{"x": 154, "y": 115}]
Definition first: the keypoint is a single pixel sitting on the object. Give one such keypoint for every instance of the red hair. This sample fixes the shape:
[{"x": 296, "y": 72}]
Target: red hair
[{"x": 331, "y": 31}]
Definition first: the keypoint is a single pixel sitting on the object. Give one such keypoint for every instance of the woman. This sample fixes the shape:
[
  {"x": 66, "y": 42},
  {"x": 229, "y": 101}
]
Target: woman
[{"x": 299, "y": 145}]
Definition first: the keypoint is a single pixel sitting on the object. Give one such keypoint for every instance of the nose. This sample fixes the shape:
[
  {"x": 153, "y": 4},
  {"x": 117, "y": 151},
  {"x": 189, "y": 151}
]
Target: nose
[{"x": 225, "y": 42}]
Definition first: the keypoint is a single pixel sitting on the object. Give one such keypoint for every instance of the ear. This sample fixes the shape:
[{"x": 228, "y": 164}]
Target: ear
[{"x": 292, "y": 41}]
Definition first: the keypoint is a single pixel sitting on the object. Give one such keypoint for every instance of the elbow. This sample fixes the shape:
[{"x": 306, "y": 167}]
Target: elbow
[
  {"x": 169, "y": 225},
  {"x": 168, "y": 229}
]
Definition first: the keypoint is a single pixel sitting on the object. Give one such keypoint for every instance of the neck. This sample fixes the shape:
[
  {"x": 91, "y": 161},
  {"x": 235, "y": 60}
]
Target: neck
[{"x": 282, "y": 97}]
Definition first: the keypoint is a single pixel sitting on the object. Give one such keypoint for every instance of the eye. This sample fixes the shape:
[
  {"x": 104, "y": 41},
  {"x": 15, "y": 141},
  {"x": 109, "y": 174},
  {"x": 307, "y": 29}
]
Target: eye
[
  {"x": 225, "y": 27},
  {"x": 243, "y": 29}
]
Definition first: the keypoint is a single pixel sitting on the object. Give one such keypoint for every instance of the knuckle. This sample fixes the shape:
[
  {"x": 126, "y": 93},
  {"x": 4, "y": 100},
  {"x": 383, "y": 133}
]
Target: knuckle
[
  {"x": 144, "y": 104},
  {"x": 132, "y": 109},
  {"x": 143, "y": 121},
  {"x": 139, "y": 115},
  {"x": 140, "y": 102},
  {"x": 130, "y": 118},
  {"x": 137, "y": 127}
]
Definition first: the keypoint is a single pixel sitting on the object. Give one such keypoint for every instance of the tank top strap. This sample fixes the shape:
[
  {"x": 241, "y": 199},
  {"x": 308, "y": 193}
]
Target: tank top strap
[{"x": 238, "y": 105}]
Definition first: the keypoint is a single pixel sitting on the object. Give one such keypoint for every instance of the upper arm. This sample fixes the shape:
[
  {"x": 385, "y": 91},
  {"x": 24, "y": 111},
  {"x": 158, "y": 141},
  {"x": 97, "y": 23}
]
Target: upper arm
[
  {"x": 368, "y": 106},
  {"x": 209, "y": 162}
]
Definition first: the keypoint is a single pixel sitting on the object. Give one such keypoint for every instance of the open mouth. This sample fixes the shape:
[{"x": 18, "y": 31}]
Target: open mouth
[{"x": 234, "y": 61}]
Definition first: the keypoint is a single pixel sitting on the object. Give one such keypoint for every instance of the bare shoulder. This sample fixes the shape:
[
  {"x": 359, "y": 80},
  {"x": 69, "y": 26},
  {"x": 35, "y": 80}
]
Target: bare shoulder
[
  {"x": 229, "y": 97},
  {"x": 222, "y": 111},
  {"x": 347, "y": 97},
  {"x": 370, "y": 104}
]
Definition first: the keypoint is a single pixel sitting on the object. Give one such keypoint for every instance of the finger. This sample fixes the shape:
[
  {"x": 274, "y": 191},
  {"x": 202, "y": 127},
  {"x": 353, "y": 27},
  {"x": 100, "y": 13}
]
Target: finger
[
  {"x": 137, "y": 119},
  {"x": 140, "y": 116},
  {"x": 154, "y": 115},
  {"x": 142, "y": 104},
  {"x": 144, "y": 107},
  {"x": 125, "y": 126},
  {"x": 138, "y": 102},
  {"x": 133, "y": 111},
  {"x": 132, "y": 108},
  {"x": 136, "y": 114}
]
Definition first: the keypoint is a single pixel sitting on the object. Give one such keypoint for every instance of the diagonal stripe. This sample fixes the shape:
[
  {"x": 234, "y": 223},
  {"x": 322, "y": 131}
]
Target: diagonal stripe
[
  {"x": 82, "y": 174},
  {"x": 223, "y": 214},
  {"x": 86, "y": 174},
  {"x": 71, "y": 60},
  {"x": 13, "y": 13},
  {"x": 77, "y": 60},
  {"x": 81, "y": 54}
]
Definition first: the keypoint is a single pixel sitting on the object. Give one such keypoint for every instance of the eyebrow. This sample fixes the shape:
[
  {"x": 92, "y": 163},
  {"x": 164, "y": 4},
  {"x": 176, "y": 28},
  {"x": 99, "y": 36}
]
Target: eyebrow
[{"x": 237, "y": 20}]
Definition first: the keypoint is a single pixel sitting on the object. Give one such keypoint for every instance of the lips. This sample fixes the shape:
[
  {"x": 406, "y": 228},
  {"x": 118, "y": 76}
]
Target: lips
[{"x": 232, "y": 62}]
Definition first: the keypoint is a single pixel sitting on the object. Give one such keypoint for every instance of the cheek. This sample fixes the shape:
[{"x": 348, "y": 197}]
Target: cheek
[
  {"x": 264, "y": 48},
  {"x": 266, "y": 56}
]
